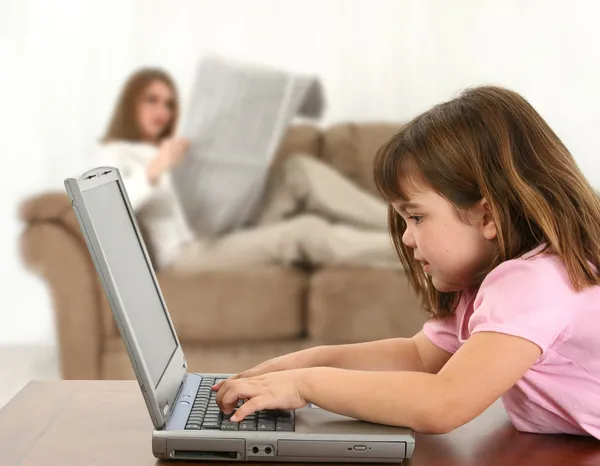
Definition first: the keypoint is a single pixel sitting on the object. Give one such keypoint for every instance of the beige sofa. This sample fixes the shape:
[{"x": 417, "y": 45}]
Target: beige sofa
[{"x": 226, "y": 321}]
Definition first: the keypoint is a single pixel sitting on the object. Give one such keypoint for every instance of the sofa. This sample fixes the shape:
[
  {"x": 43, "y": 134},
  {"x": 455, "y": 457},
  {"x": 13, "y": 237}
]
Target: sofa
[{"x": 227, "y": 320}]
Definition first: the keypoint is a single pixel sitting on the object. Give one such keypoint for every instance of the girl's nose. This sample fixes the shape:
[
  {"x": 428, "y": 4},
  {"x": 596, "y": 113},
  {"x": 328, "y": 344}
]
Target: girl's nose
[{"x": 408, "y": 239}]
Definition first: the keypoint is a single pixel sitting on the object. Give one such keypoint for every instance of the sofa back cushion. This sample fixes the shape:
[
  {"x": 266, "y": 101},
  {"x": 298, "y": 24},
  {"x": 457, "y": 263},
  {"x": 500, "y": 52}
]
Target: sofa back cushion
[
  {"x": 351, "y": 148},
  {"x": 305, "y": 139}
]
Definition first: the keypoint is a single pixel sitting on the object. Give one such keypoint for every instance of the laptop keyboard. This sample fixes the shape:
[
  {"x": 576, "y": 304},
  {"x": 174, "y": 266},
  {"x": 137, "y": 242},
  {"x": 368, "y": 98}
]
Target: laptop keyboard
[{"x": 206, "y": 414}]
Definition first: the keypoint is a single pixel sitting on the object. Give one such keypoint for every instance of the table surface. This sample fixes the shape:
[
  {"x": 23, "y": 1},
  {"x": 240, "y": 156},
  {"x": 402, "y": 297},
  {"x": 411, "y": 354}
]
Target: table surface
[{"x": 106, "y": 422}]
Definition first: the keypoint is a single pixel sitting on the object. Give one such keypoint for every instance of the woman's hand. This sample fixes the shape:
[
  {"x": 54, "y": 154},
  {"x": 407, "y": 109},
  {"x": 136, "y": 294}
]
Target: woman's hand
[
  {"x": 172, "y": 151},
  {"x": 298, "y": 360},
  {"x": 276, "y": 390}
]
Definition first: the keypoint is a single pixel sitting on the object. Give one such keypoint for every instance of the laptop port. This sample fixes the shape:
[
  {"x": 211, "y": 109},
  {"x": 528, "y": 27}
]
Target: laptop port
[
  {"x": 204, "y": 455},
  {"x": 262, "y": 450}
]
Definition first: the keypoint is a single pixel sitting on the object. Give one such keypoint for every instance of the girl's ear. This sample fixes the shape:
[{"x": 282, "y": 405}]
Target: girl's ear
[{"x": 489, "y": 229}]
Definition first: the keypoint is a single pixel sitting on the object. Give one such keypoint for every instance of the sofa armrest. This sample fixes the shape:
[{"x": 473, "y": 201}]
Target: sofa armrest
[
  {"x": 53, "y": 247},
  {"x": 52, "y": 207}
]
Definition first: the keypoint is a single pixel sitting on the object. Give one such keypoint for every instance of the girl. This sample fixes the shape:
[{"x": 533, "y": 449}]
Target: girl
[
  {"x": 500, "y": 234},
  {"x": 312, "y": 213}
]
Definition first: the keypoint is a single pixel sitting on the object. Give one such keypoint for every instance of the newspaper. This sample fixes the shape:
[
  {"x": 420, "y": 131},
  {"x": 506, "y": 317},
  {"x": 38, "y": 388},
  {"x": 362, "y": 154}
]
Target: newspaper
[{"x": 237, "y": 117}]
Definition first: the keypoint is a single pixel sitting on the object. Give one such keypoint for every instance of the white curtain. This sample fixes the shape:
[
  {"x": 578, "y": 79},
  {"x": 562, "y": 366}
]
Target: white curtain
[{"x": 63, "y": 62}]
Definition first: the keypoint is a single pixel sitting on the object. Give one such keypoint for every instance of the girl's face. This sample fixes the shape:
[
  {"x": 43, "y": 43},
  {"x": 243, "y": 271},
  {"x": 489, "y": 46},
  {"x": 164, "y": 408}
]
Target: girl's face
[
  {"x": 450, "y": 250},
  {"x": 155, "y": 110}
]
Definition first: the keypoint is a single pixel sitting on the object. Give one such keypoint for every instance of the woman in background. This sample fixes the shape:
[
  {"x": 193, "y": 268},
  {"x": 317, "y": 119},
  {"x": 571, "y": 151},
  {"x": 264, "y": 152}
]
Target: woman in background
[
  {"x": 139, "y": 141},
  {"x": 312, "y": 213}
]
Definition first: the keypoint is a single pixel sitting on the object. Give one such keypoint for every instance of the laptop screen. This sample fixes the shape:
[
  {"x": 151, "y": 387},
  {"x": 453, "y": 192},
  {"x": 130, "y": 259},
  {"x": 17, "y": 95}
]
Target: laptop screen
[{"x": 132, "y": 277}]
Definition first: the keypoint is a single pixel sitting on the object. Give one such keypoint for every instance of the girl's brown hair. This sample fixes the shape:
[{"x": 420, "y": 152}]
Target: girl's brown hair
[
  {"x": 123, "y": 124},
  {"x": 490, "y": 142}
]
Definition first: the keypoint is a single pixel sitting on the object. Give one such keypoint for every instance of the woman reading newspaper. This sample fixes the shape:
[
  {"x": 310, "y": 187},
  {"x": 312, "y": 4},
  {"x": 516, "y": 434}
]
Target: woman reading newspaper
[{"x": 312, "y": 214}]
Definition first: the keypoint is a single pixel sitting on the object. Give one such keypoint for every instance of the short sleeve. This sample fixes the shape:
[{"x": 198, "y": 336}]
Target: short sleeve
[
  {"x": 443, "y": 333},
  {"x": 529, "y": 299}
]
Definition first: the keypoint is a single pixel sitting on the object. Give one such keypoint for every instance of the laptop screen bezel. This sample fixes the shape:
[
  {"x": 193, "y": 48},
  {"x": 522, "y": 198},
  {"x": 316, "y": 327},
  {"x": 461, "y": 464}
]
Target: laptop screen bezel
[{"x": 159, "y": 397}]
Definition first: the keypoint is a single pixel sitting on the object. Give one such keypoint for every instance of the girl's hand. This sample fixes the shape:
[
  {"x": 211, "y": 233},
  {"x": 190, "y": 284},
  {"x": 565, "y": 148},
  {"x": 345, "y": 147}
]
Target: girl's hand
[
  {"x": 277, "y": 390},
  {"x": 298, "y": 360}
]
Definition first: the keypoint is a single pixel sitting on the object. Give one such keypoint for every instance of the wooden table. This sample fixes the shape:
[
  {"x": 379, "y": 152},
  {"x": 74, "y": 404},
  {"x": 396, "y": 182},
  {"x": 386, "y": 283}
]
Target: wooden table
[{"x": 106, "y": 423}]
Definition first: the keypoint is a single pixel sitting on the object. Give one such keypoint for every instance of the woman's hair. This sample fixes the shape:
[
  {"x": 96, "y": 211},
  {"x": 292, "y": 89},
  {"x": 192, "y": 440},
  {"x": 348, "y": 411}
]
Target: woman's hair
[
  {"x": 123, "y": 124},
  {"x": 490, "y": 142}
]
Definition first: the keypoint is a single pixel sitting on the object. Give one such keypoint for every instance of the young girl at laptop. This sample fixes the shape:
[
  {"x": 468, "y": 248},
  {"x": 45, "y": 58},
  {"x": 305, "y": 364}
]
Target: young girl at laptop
[
  {"x": 312, "y": 213},
  {"x": 499, "y": 233}
]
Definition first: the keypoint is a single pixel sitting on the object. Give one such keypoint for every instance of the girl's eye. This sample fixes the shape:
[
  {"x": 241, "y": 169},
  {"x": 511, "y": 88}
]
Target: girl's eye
[{"x": 416, "y": 218}]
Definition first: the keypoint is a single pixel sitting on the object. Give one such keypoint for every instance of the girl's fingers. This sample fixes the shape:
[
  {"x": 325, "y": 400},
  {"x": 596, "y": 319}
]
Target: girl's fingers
[
  {"x": 217, "y": 386},
  {"x": 251, "y": 406},
  {"x": 233, "y": 392}
]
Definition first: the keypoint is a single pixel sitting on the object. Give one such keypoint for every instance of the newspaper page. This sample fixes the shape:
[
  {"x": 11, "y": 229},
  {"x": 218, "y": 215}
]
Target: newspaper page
[{"x": 237, "y": 117}]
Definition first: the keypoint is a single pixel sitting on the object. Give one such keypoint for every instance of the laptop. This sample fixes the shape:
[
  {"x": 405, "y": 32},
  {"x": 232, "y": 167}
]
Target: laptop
[{"x": 188, "y": 424}]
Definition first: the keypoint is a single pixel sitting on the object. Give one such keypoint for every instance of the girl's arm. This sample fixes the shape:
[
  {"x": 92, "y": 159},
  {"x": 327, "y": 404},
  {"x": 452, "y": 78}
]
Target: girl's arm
[
  {"x": 394, "y": 354},
  {"x": 485, "y": 367}
]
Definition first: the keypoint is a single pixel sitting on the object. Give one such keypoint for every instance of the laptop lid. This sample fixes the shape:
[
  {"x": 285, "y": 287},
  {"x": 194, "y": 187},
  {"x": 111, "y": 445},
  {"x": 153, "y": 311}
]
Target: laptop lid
[{"x": 121, "y": 259}]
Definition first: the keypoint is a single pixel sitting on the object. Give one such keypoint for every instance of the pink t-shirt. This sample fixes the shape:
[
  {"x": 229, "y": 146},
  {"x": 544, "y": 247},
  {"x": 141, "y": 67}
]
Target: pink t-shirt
[{"x": 531, "y": 297}]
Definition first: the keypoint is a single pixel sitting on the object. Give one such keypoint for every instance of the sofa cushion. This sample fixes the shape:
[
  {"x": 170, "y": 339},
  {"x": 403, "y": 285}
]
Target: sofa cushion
[
  {"x": 254, "y": 304},
  {"x": 361, "y": 304},
  {"x": 351, "y": 148}
]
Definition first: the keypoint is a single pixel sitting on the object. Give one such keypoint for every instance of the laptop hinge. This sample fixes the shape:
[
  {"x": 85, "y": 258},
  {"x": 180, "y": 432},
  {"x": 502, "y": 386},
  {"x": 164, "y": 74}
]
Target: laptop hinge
[{"x": 172, "y": 402}]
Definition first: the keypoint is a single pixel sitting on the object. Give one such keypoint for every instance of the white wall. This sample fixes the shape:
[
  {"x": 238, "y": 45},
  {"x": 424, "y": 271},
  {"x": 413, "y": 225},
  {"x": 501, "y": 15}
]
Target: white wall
[{"x": 64, "y": 61}]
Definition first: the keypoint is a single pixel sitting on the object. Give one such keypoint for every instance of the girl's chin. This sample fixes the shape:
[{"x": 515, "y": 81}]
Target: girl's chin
[{"x": 443, "y": 286}]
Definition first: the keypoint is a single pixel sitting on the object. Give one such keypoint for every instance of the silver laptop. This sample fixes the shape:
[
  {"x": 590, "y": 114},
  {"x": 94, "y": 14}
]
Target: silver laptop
[{"x": 187, "y": 422}]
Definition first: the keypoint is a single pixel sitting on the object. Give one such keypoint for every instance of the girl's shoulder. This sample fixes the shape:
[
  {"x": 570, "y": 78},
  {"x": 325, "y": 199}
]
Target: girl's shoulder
[
  {"x": 536, "y": 269},
  {"x": 532, "y": 297},
  {"x": 537, "y": 282}
]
